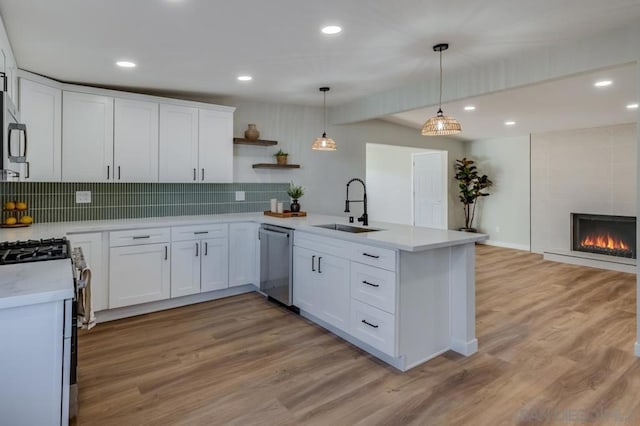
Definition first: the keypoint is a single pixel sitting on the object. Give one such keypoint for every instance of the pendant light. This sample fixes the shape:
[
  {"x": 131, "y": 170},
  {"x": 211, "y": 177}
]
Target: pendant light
[
  {"x": 324, "y": 143},
  {"x": 441, "y": 125}
]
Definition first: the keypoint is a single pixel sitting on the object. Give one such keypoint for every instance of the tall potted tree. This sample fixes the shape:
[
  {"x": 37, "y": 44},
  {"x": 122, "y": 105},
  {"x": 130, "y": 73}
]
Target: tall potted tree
[{"x": 472, "y": 186}]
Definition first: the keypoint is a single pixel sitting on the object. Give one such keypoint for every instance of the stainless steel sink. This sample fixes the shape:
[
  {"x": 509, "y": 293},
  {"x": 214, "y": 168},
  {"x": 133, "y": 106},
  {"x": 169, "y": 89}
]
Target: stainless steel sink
[{"x": 347, "y": 228}]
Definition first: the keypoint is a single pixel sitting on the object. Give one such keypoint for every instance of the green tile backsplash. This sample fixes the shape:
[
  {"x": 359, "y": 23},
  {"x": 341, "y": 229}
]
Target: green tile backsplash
[{"x": 55, "y": 202}]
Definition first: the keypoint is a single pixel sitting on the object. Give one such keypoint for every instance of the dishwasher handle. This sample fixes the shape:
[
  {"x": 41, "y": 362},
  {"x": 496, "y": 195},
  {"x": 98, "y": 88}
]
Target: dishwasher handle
[{"x": 274, "y": 233}]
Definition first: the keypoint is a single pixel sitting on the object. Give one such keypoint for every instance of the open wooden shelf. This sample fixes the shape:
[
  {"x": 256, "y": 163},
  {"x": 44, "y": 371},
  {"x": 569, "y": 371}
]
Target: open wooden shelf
[
  {"x": 257, "y": 142},
  {"x": 275, "y": 166}
]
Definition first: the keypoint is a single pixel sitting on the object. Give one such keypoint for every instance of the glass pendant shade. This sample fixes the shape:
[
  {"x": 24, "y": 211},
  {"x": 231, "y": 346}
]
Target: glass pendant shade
[
  {"x": 441, "y": 125},
  {"x": 324, "y": 144}
]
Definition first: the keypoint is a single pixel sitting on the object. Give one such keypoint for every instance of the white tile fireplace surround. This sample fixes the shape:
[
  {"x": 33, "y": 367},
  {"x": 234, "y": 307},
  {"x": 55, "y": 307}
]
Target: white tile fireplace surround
[{"x": 591, "y": 171}]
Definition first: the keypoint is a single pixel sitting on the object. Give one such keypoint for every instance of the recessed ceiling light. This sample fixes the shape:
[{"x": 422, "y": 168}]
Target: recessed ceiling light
[
  {"x": 509, "y": 123},
  {"x": 469, "y": 108},
  {"x": 245, "y": 78},
  {"x": 632, "y": 106},
  {"x": 603, "y": 83},
  {"x": 331, "y": 29},
  {"x": 126, "y": 64}
]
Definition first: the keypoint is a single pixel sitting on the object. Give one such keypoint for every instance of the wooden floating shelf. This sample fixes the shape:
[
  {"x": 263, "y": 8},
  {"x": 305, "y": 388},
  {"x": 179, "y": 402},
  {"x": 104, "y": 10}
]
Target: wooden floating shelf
[
  {"x": 257, "y": 142},
  {"x": 275, "y": 166}
]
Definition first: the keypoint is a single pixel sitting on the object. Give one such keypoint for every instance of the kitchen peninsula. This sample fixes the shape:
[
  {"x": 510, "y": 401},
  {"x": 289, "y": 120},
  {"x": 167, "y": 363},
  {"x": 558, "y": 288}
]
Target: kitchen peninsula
[{"x": 404, "y": 294}]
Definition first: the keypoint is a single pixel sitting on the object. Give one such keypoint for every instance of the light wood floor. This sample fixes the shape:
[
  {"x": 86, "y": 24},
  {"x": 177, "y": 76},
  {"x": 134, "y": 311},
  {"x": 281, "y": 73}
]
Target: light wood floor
[{"x": 556, "y": 346}]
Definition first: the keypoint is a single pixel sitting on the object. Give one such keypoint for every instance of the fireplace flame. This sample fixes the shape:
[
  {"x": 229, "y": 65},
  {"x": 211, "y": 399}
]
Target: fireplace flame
[{"x": 604, "y": 241}]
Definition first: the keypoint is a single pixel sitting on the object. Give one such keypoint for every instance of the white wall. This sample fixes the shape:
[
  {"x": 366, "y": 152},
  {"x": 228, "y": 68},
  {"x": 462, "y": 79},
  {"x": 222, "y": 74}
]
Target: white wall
[
  {"x": 580, "y": 171},
  {"x": 504, "y": 214},
  {"x": 323, "y": 174},
  {"x": 389, "y": 181}
]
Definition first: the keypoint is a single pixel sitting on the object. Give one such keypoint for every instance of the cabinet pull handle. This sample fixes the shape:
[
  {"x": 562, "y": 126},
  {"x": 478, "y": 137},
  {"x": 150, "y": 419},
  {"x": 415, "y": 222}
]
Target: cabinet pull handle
[
  {"x": 108, "y": 172},
  {"x": 319, "y": 260},
  {"x": 369, "y": 324},
  {"x": 203, "y": 173},
  {"x": 200, "y": 232},
  {"x": 28, "y": 169},
  {"x": 194, "y": 173},
  {"x": 313, "y": 265},
  {"x": 206, "y": 248},
  {"x": 371, "y": 255},
  {"x": 118, "y": 172},
  {"x": 141, "y": 237},
  {"x": 197, "y": 249},
  {"x": 371, "y": 284},
  {"x": 166, "y": 252}
]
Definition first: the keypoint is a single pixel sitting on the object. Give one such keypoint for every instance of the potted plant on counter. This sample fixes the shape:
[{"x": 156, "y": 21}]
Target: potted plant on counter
[
  {"x": 295, "y": 192},
  {"x": 281, "y": 157},
  {"x": 472, "y": 186}
]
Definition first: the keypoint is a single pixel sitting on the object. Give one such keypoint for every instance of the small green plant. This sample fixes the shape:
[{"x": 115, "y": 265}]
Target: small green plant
[
  {"x": 295, "y": 192},
  {"x": 280, "y": 153}
]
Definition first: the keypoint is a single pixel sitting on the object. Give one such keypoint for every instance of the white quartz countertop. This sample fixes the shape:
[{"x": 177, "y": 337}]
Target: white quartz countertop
[
  {"x": 35, "y": 282},
  {"x": 389, "y": 235}
]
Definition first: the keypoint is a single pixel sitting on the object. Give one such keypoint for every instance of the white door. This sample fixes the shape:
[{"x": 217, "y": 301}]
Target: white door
[
  {"x": 185, "y": 268},
  {"x": 430, "y": 190},
  {"x": 87, "y": 137},
  {"x": 135, "y": 147},
  {"x": 41, "y": 111},
  {"x": 305, "y": 288},
  {"x": 139, "y": 274},
  {"x": 216, "y": 146},
  {"x": 215, "y": 264},
  {"x": 333, "y": 292},
  {"x": 178, "y": 143},
  {"x": 93, "y": 254},
  {"x": 243, "y": 254}
]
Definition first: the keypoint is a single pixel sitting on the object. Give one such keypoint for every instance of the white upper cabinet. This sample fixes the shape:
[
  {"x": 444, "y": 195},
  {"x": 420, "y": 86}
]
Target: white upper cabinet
[
  {"x": 135, "y": 147},
  {"x": 215, "y": 146},
  {"x": 178, "y": 143},
  {"x": 41, "y": 110},
  {"x": 87, "y": 137}
]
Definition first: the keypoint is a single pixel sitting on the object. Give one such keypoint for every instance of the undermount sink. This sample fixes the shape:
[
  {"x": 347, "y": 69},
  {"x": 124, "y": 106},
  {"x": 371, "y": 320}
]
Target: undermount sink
[{"x": 346, "y": 228}]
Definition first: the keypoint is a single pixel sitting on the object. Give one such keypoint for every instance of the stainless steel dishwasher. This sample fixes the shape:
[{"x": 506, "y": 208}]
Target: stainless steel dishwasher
[{"x": 276, "y": 252}]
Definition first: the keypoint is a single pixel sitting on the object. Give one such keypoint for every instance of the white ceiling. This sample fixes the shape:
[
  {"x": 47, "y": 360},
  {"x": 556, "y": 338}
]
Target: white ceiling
[
  {"x": 201, "y": 46},
  {"x": 571, "y": 103}
]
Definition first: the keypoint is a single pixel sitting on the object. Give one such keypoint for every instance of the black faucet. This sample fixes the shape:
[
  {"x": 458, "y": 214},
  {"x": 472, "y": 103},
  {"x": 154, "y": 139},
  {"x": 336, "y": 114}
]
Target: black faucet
[{"x": 365, "y": 217}]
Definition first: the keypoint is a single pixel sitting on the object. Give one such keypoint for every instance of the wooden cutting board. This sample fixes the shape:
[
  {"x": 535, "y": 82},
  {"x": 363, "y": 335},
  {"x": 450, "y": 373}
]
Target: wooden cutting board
[{"x": 286, "y": 213}]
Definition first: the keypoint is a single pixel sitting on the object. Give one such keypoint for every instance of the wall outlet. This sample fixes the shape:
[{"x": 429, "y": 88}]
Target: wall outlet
[
  {"x": 239, "y": 195},
  {"x": 83, "y": 197}
]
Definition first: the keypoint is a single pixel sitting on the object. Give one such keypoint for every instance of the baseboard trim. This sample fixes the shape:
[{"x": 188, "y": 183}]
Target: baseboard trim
[
  {"x": 161, "y": 305},
  {"x": 506, "y": 245},
  {"x": 591, "y": 263},
  {"x": 464, "y": 348}
]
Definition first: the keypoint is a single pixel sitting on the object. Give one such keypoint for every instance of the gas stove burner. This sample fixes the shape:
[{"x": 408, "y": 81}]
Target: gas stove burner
[{"x": 34, "y": 250}]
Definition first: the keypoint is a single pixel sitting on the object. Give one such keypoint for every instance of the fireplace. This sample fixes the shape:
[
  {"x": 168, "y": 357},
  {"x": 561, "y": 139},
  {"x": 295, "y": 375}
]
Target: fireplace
[{"x": 604, "y": 234}]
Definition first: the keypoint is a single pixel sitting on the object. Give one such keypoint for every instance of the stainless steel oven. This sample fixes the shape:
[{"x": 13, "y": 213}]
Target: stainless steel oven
[{"x": 276, "y": 251}]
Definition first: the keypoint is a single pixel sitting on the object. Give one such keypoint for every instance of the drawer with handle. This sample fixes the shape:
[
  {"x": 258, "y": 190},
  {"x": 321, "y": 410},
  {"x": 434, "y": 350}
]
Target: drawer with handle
[
  {"x": 373, "y": 326},
  {"x": 374, "y": 256},
  {"x": 136, "y": 237},
  {"x": 374, "y": 286},
  {"x": 199, "y": 232}
]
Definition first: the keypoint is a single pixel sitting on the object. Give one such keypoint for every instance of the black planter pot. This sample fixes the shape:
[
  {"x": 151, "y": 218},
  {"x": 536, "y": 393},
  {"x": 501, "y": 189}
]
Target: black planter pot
[
  {"x": 295, "y": 206},
  {"x": 468, "y": 229}
]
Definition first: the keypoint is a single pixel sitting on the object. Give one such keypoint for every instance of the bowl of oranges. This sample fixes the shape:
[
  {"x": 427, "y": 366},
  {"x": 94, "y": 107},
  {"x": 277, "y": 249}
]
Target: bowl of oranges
[{"x": 14, "y": 215}]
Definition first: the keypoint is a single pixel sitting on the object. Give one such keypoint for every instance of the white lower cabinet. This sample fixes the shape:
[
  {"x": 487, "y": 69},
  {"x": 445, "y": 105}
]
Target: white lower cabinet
[
  {"x": 243, "y": 254},
  {"x": 139, "y": 274},
  {"x": 185, "y": 268},
  {"x": 214, "y": 264},
  {"x": 322, "y": 286}
]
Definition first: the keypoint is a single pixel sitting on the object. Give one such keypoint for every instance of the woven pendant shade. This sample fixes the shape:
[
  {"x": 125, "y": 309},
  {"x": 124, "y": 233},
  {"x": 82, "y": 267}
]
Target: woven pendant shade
[
  {"x": 324, "y": 144},
  {"x": 441, "y": 125}
]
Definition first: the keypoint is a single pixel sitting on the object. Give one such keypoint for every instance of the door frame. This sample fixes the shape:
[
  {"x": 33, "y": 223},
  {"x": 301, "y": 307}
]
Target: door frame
[{"x": 445, "y": 184}]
